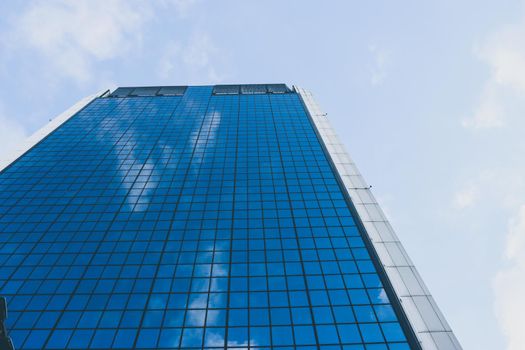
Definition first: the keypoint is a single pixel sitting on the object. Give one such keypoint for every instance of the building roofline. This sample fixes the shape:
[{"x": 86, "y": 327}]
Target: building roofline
[
  {"x": 56, "y": 122},
  {"x": 47, "y": 129}
]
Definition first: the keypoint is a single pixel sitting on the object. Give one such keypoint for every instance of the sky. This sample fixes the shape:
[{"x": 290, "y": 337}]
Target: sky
[{"x": 427, "y": 96}]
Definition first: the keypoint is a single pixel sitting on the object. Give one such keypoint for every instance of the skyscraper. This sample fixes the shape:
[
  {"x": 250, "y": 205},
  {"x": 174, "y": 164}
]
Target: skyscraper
[{"x": 214, "y": 217}]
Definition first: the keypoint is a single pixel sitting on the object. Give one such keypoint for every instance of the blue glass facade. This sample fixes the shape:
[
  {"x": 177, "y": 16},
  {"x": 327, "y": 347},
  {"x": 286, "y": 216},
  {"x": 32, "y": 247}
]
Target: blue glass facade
[{"x": 200, "y": 220}]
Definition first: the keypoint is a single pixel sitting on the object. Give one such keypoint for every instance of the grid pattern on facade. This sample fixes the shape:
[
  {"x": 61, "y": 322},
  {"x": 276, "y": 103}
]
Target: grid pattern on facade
[{"x": 195, "y": 221}]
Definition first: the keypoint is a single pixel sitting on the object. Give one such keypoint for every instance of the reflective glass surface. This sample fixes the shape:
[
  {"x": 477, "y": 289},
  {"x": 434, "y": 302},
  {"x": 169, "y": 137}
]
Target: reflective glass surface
[{"x": 193, "y": 221}]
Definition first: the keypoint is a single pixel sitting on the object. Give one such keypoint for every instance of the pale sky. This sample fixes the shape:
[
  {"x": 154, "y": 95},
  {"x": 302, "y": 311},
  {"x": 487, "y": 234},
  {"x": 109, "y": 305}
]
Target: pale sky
[{"x": 428, "y": 96}]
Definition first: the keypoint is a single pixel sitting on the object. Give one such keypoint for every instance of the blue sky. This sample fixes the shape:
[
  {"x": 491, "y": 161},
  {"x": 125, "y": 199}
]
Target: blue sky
[{"x": 428, "y": 96}]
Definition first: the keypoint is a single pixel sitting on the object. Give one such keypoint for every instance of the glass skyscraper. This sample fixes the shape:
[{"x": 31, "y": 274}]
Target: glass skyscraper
[{"x": 212, "y": 217}]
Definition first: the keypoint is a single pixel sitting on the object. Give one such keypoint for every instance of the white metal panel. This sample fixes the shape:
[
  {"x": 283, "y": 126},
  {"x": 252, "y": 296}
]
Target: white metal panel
[
  {"x": 415, "y": 318},
  {"x": 444, "y": 341},
  {"x": 439, "y": 313},
  {"x": 423, "y": 285},
  {"x": 427, "y": 341},
  {"x": 373, "y": 232},
  {"x": 363, "y": 213},
  {"x": 385, "y": 232},
  {"x": 374, "y": 212},
  {"x": 428, "y": 314},
  {"x": 383, "y": 254},
  {"x": 413, "y": 286},
  {"x": 397, "y": 282},
  {"x": 398, "y": 258}
]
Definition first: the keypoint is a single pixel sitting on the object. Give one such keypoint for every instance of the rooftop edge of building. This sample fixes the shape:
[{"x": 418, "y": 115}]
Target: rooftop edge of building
[{"x": 179, "y": 90}]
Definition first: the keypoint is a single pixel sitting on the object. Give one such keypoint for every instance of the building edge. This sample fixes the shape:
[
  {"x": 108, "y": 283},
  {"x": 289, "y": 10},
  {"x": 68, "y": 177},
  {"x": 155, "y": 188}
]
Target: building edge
[
  {"x": 417, "y": 304},
  {"x": 47, "y": 129}
]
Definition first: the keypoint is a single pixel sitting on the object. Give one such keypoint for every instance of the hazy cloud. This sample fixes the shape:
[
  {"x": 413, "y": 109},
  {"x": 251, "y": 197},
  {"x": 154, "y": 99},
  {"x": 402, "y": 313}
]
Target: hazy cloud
[
  {"x": 504, "y": 53},
  {"x": 72, "y": 35},
  {"x": 12, "y": 134},
  {"x": 502, "y": 103},
  {"x": 503, "y": 190},
  {"x": 380, "y": 61},
  {"x": 509, "y": 284},
  {"x": 504, "y": 187},
  {"x": 182, "y": 7},
  {"x": 490, "y": 113},
  {"x": 466, "y": 197},
  {"x": 196, "y": 56}
]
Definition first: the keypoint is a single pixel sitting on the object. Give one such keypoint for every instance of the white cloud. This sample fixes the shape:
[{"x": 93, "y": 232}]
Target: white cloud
[
  {"x": 182, "y": 7},
  {"x": 490, "y": 113},
  {"x": 12, "y": 134},
  {"x": 502, "y": 190},
  {"x": 466, "y": 197},
  {"x": 501, "y": 104},
  {"x": 194, "y": 59},
  {"x": 381, "y": 59},
  {"x": 509, "y": 285},
  {"x": 74, "y": 34},
  {"x": 504, "y": 186},
  {"x": 504, "y": 53}
]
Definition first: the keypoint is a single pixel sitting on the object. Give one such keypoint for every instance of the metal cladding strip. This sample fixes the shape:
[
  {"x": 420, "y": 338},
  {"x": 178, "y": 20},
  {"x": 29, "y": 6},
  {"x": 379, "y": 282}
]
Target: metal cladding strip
[
  {"x": 46, "y": 130},
  {"x": 427, "y": 321}
]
